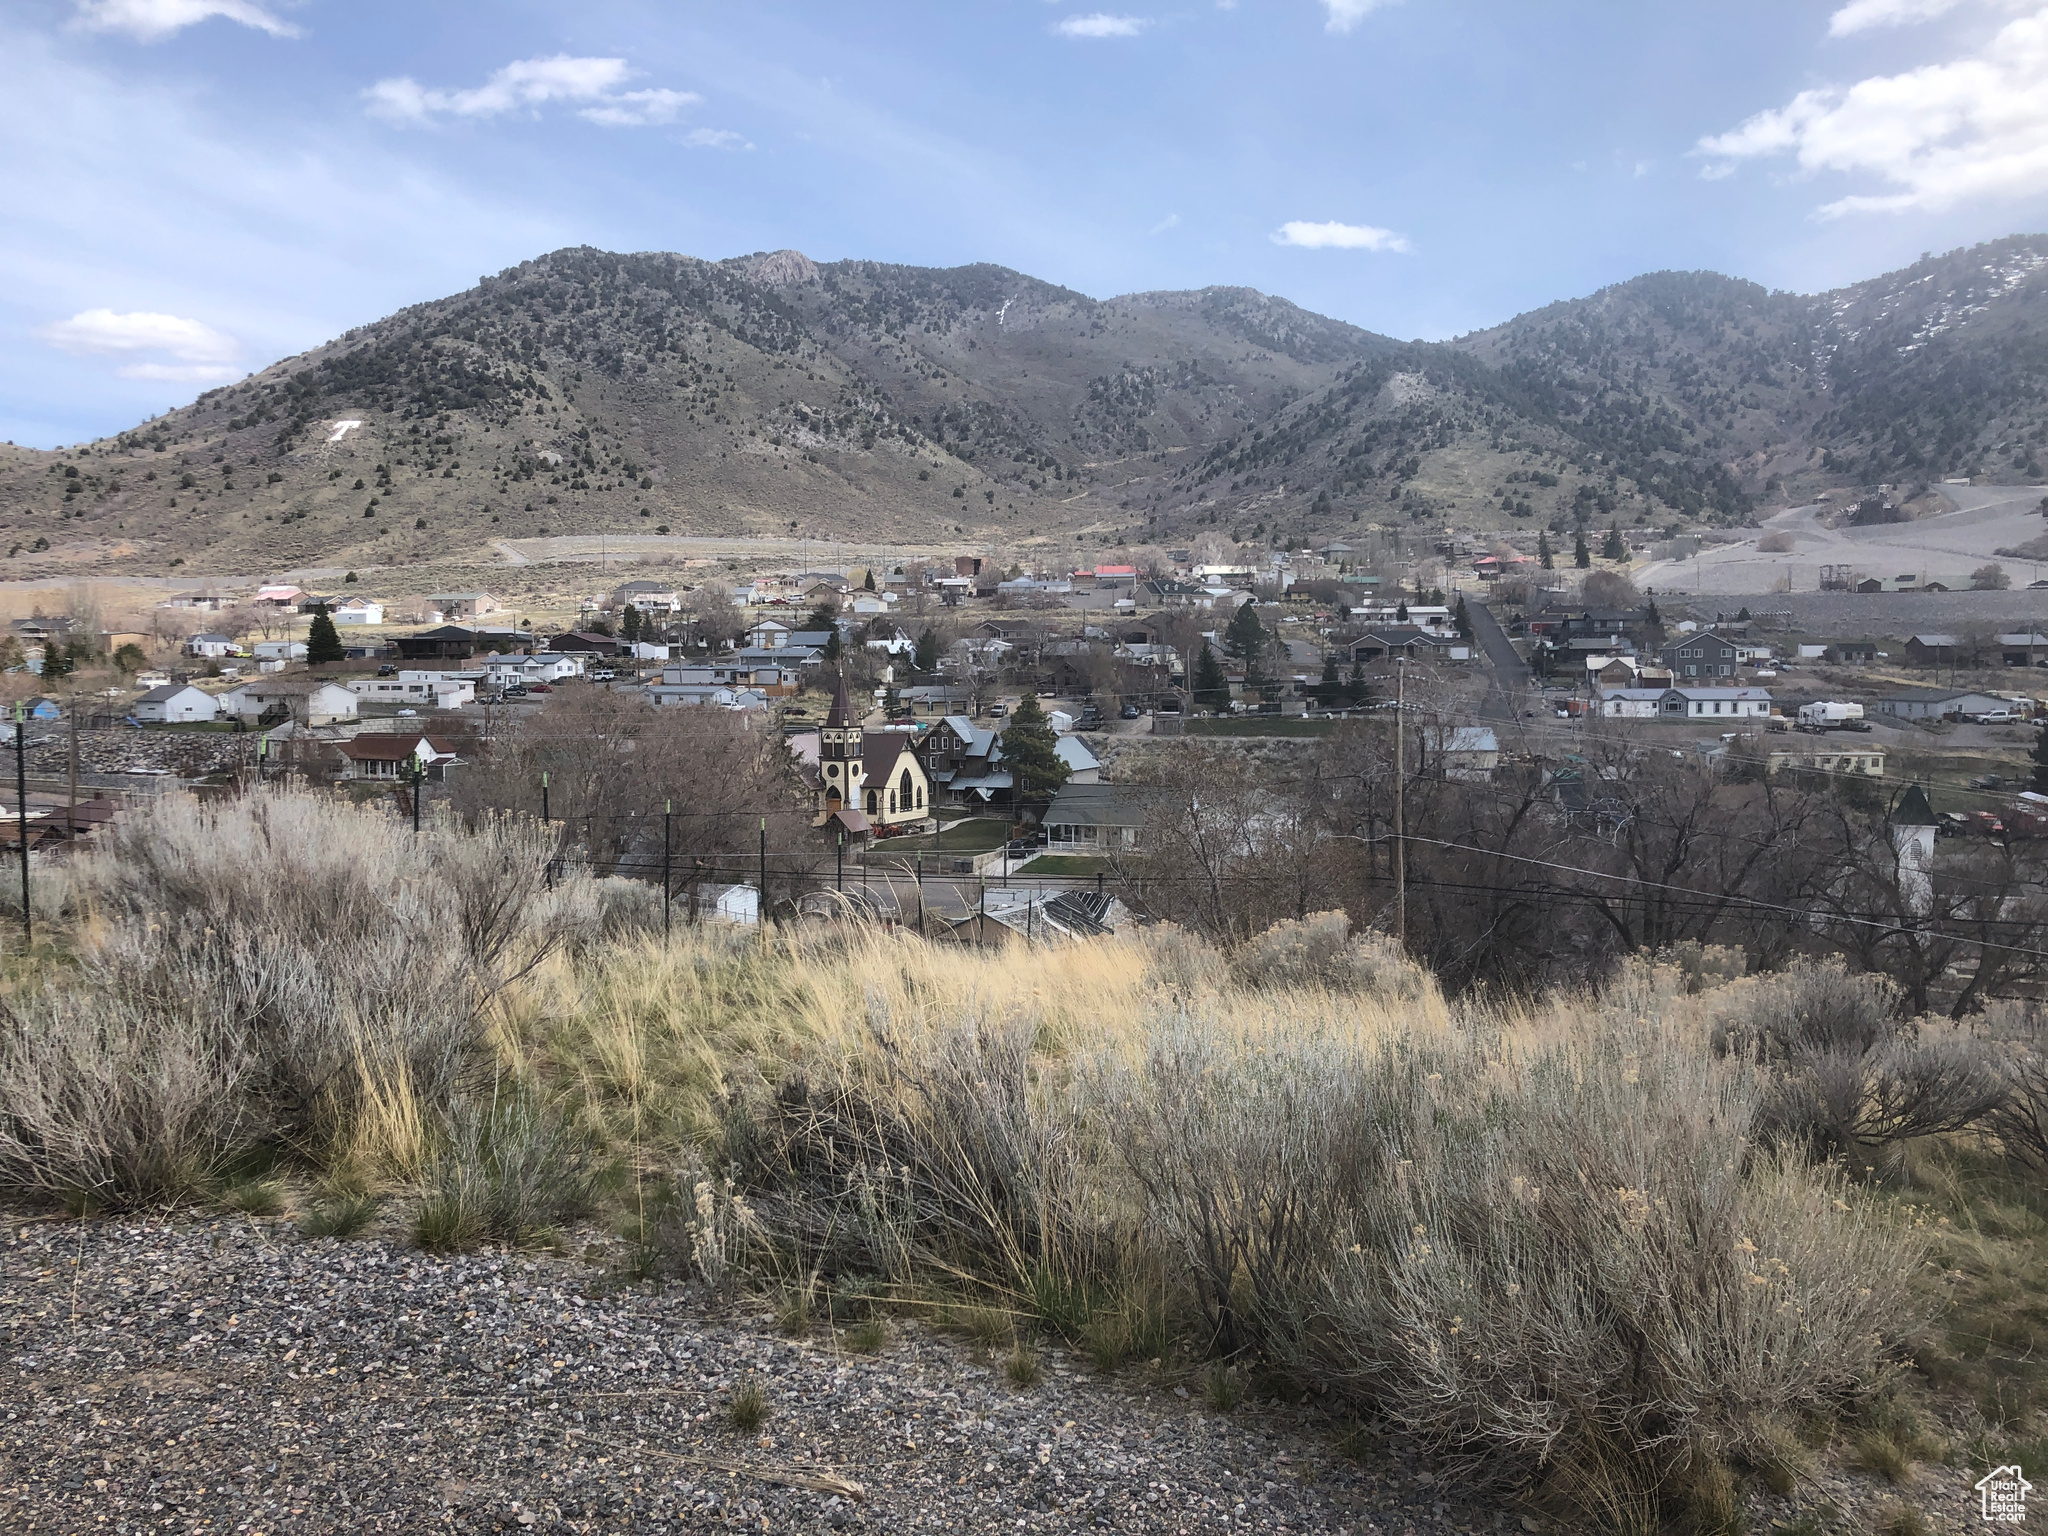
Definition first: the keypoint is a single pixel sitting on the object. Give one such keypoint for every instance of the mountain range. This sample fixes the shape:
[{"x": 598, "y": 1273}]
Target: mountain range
[{"x": 585, "y": 392}]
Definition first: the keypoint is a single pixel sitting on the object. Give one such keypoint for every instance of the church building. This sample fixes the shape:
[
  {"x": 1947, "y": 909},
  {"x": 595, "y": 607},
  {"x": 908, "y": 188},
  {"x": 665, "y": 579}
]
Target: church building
[{"x": 868, "y": 781}]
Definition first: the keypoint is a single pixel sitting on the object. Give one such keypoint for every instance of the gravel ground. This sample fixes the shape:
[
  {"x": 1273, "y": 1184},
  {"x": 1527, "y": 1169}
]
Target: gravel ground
[{"x": 235, "y": 1377}]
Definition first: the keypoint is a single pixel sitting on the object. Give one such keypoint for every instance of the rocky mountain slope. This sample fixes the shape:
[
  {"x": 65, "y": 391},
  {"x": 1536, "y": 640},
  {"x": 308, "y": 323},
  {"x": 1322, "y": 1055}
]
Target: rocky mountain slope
[{"x": 587, "y": 392}]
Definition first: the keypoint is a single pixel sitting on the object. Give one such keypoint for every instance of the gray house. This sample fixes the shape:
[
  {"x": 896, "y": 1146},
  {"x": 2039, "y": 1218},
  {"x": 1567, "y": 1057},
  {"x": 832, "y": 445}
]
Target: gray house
[
  {"x": 1695, "y": 657},
  {"x": 1936, "y": 703}
]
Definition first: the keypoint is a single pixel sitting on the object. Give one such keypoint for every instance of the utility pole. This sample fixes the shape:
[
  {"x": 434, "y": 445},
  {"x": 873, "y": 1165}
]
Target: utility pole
[
  {"x": 419, "y": 779},
  {"x": 71, "y": 808},
  {"x": 839, "y": 879},
  {"x": 668, "y": 813},
  {"x": 762, "y": 921},
  {"x": 1400, "y": 817},
  {"x": 545, "y": 819},
  {"x": 21, "y": 818}
]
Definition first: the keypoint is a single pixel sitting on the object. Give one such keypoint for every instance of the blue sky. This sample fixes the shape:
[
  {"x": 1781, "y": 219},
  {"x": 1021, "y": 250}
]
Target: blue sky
[{"x": 194, "y": 188}]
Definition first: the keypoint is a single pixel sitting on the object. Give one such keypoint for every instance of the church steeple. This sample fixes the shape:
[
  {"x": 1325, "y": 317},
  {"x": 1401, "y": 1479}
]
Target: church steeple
[{"x": 839, "y": 753}]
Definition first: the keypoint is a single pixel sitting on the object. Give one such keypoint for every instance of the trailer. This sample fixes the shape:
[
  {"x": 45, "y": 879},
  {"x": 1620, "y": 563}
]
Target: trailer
[{"x": 1832, "y": 715}]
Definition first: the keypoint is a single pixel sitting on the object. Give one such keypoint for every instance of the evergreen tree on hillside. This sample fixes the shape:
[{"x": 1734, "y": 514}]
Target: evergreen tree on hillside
[
  {"x": 1212, "y": 688},
  {"x": 824, "y": 616},
  {"x": 1612, "y": 547},
  {"x": 1031, "y": 752},
  {"x": 927, "y": 658},
  {"x": 323, "y": 641},
  {"x": 868, "y": 581},
  {"x": 1463, "y": 619},
  {"x": 1582, "y": 557},
  {"x": 1543, "y": 552},
  {"x": 1245, "y": 637},
  {"x": 629, "y": 624},
  {"x": 1401, "y": 612}
]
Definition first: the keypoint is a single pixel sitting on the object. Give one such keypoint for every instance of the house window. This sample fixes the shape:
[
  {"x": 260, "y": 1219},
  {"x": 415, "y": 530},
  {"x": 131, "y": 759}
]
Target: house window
[
  {"x": 892, "y": 802},
  {"x": 874, "y": 802}
]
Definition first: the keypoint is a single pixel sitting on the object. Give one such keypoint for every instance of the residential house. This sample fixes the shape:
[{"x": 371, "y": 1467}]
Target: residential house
[
  {"x": 1862, "y": 760},
  {"x": 715, "y": 695},
  {"x": 1931, "y": 650},
  {"x": 357, "y": 610},
  {"x": 1467, "y": 752},
  {"x": 963, "y": 761},
  {"x": 588, "y": 643},
  {"x": 450, "y": 642},
  {"x": 391, "y": 757},
  {"x": 1407, "y": 640},
  {"x": 280, "y": 596},
  {"x": 1083, "y": 766},
  {"x": 450, "y": 606},
  {"x": 868, "y": 604},
  {"x": 1936, "y": 703},
  {"x": 1632, "y": 703},
  {"x": 435, "y": 690},
  {"x": 1708, "y": 703},
  {"x": 279, "y": 650},
  {"x": 648, "y": 597},
  {"x": 175, "y": 704},
  {"x": 41, "y": 629},
  {"x": 768, "y": 634},
  {"x": 1097, "y": 818},
  {"x": 1702, "y": 655},
  {"x": 868, "y": 781},
  {"x": 39, "y": 709},
  {"x": 302, "y": 700},
  {"x": 211, "y": 647}
]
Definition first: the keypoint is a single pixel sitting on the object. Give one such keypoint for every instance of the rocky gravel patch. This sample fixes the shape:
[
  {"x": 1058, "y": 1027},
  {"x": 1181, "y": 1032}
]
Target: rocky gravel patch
[{"x": 232, "y": 1376}]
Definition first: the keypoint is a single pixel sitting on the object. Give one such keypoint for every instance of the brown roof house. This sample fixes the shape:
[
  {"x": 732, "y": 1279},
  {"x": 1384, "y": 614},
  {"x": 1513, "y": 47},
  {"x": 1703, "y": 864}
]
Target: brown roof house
[{"x": 387, "y": 757}]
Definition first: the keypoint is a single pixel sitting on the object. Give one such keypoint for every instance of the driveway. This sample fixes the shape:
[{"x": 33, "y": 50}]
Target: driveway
[{"x": 1509, "y": 694}]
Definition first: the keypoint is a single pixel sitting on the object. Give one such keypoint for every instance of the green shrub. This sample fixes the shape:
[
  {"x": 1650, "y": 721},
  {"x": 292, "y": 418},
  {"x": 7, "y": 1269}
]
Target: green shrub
[{"x": 341, "y": 1215}]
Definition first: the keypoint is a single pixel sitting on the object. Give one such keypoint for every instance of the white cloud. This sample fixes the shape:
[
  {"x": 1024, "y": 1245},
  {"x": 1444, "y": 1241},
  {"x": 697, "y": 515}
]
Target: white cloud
[
  {"x": 1346, "y": 14},
  {"x": 1341, "y": 237},
  {"x": 532, "y": 83},
  {"x": 1862, "y": 15},
  {"x": 1171, "y": 221},
  {"x": 641, "y": 109},
  {"x": 715, "y": 138},
  {"x": 1101, "y": 25},
  {"x": 153, "y": 20},
  {"x": 199, "y": 353},
  {"x": 1975, "y": 127}
]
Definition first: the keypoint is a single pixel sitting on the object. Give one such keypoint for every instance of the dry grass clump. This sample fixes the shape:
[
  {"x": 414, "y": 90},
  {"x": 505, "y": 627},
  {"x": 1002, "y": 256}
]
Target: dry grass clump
[
  {"x": 1321, "y": 951},
  {"x": 280, "y": 971}
]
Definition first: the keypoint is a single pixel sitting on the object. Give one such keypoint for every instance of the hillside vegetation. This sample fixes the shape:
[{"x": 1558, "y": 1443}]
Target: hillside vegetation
[
  {"x": 586, "y": 392},
  {"x": 1607, "y": 1253}
]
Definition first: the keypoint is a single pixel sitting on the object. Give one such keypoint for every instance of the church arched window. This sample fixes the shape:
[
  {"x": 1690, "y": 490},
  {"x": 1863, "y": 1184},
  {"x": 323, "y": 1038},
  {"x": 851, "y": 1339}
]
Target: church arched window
[{"x": 874, "y": 802}]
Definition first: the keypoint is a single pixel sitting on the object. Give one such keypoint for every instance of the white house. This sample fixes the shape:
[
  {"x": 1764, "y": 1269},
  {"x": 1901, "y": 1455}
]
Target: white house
[
  {"x": 769, "y": 634},
  {"x": 1631, "y": 703},
  {"x": 731, "y": 904},
  {"x": 437, "y": 690},
  {"x": 868, "y": 604},
  {"x": 357, "y": 610},
  {"x": 392, "y": 757},
  {"x": 1707, "y": 703},
  {"x": 308, "y": 703},
  {"x": 279, "y": 650},
  {"x": 211, "y": 647},
  {"x": 175, "y": 704}
]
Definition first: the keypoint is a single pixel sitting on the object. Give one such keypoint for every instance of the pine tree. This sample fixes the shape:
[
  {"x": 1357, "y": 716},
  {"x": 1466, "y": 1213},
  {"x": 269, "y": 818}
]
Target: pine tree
[
  {"x": 1031, "y": 752},
  {"x": 927, "y": 657},
  {"x": 868, "y": 581},
  {"x": 1401, "y": 613},
  {"x": 1358, "y": 688},
  {"x": 1543, "y": 552},
  {"x": 1612, "y": 547},
  {"x": 1332, "y": 684},
  {"x": 323, "y": 642},
  {"x": 1463, "y": 619},
  {"x": 1245, "y": 637},
  {"x": 1212, "y": 688},
  {"x": 1582, "y": 557},
  {"x": 629, "y": 624},
  {"x": 831, "y": 650},
  {"x": 2041, "y": 761}
]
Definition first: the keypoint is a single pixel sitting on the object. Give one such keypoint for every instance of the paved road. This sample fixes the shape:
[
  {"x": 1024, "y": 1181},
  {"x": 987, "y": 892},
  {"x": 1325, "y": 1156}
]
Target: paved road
[{"x": 1509, "y": 694}]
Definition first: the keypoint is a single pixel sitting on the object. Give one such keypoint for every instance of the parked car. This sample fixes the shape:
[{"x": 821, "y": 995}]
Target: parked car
[
  {"x": 997, "y": 711},
  {"x": 1131, "y": 712},
  {"x": 601, "y": 675},
  {"x": 540, "y": 688},
  {"x": 387, "y": 670}
]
